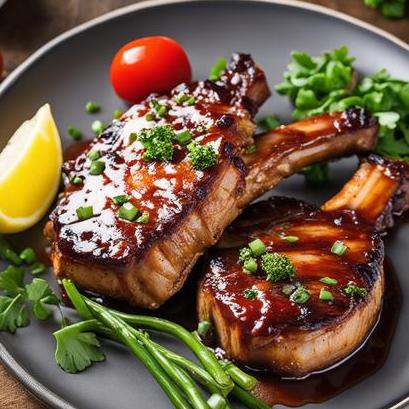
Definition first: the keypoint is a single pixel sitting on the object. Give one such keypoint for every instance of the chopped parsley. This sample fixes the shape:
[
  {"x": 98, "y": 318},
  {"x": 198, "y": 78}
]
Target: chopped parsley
[
  {"x": 202, "y": 156},
  {"x": 354, "y": 291},
  {"x": 158, "y": 143},
  {"x": 250, "y": 293}
]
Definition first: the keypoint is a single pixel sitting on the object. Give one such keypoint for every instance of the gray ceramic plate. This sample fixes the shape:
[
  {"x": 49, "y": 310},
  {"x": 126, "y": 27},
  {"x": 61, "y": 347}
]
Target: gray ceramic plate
[{"x": 74, "y": 68}]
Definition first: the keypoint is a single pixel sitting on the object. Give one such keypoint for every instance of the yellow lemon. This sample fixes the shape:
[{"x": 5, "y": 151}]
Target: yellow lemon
[{"x": 30, "y": 171}]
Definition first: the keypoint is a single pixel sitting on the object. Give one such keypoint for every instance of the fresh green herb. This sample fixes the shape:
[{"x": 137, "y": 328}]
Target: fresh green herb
[
  {"x": 290, "y": 239},
  {"x": 157, "y": 143},
  {"x": 77, "y": 180},
  {"x": 181, "y": 98},
  {"x": 11, "y": 280},
  {"x": 28, "y": 255},
  {"x": 128, "y": 212},
  {"x": 4, "y": 245},
  {"x": 316, "y": 175},
  {"x": 389, "y": 8},
  {"x": 12, "y": 257},
  {"x": 250, "y": 265},
  {"x": 37, "y": 269},
  {"x": 353, "y": 290},
  {"x": 93, "y": 155},
  {"x": 191, "y": 100},
  {"x": 202, "y": 156},
  {"x": 161, "y": 110},
  {"x": 184, "y": 137},
  {"x": 92, "y": 107},
  {"x": 133, "y": 136},
  {"x": 77, "y": 346},
  {"x": 251, "y": 149},
  {"x": 288, "y": 289},
  {"x": 203, "y": 328},
  {"x": 300, "y": 295},
  {"x": 143, "y": 218},
  {"x": 13, "y": 313},
  {"x": 98, "y": 127},
  {"x": 85, "y": 212},
  {"x": 97, "y": 167},
  {"x": 217, "y": 69},
  {"x": 329, "y": 281},
  {"x": 257, "y": 247},
  {"x": 277, "y": 266},
  {"x": 250, "y": 293},
  {"x": 326, "y": 295},
  {"x": 75, "y": 133},
  {"x": 120, "y": 199},
  {"x": 269, "y": 122},
  {"x": 150, "y": 116},
  {"x": 339, "y": 248},
  {"x": 41, "y": 295},
  {"x": 117, "y": 114}
]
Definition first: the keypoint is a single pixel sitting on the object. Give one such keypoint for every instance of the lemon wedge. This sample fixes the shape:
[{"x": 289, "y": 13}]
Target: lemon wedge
[{"x": 30, "y": 171}]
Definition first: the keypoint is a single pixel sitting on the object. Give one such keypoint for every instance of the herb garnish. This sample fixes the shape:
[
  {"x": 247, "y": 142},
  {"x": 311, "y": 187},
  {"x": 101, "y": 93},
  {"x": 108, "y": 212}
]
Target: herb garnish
[
  {"x": 353, "y": 290},
  {"x": 217, "y": 68},
  {"x": 277, "y": 266},
  {"x": 157, "y": 143},
  {"x": 202, "y": 156}
]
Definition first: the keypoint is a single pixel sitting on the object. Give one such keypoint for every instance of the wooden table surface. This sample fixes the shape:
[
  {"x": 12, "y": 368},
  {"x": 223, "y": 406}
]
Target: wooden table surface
[{"x": 25, "y": 25}]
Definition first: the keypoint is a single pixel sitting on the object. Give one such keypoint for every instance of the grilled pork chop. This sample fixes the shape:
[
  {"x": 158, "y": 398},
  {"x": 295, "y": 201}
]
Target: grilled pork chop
[
  {"x": 327, "y": 308},
  {"x": 146, "y": 263}
]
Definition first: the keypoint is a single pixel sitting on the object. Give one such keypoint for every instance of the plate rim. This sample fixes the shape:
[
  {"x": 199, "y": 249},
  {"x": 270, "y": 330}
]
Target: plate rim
[{"x": 16, "y": 369}]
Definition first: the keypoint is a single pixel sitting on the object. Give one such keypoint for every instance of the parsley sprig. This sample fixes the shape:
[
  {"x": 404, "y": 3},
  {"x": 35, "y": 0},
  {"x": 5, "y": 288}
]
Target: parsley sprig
[{"x": 389, "y": 8}]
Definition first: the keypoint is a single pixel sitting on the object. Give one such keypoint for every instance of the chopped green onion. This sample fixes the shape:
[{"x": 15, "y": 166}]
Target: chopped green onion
[
  {"x": 77, "y": 180},
  {"x": 326, "y": 295},
  {"x": 12, "y": 257},
  {"x": 257, "y": 247},
  {"x": 251, "y": 149},
  {"x": 150, "y": 116},
  {"x": 97, "y": 167},
  {"x": 250, "y": 293},
  {"x": 133, "y": 136},
  {"x": 291, "y": 239},
  {"x": 184, "y": 137},
  {"x": 161, "y": 110},
  {"x": 75, "y": 133},
  {"x": 338, "y": 248},
  {"x": 203, "y": 328},
  {"x": 117, "y": 114},
  {"x": 28, "y": 255},
  {"x": 217, "y": 68},
  {"x": 300, "y": 295},
  {"x": 120, "y": 199},
  {"x": 288, "y": 289},
  {"x": 93, "y": 155},
  {"x": 128, "y": 212},
  {"x": 191, "y": 100},
  {"x": 250, "y": 265},
  {"x": 329, "y": 281},
  {"x": 37, "y": 269},
  {"x": 181, "y": 98},
  {"x": 85, "y": 212},
  {"x": 143, "y": 218},
  {"x": 98, "y": 127},
  {"x": 92, "y": 107}
]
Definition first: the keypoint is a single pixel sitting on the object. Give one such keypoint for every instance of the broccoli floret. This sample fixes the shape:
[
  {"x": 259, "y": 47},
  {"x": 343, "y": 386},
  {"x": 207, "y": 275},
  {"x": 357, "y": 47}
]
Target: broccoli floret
[
  {"x": 353, "y": 290},
  {"x": 202, "y": 156},
  {"x": 277, "y": 266},
  {"x": 158, "y": 143}
]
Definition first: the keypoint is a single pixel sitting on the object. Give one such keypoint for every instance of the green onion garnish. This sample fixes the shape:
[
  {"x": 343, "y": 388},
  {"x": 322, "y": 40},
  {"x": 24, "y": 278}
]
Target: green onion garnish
[
  {"x": 77, "y": 180},
  {"x": 143, "y": 218},
  {"x": 117, "y": 114},
  {"x": 300, "y": 295},
  {"x": 203, "y": 328},
  {"x": 93, "y": 155},
  {"x": 257, "y": 247},
  {"x": 326, "y": 295},
  {"x": 12, "y": 257},
  {"x": 133, "y": 136},
  {"x": 191, "y": 100},
  {"x": 181, "y": 98},
  {"x": 92, "y": 107},
  {"x": 329, "y": 281},
  {"x": 338, "y": 248},
  {"x": 184, "y": 137},
  {"x": 291, "y": 239},
  {"x": 161, "y": 110},
  {"x": 353, "y": 290},
  {"x": 120, "y": 199},
  {"x": 75, "y": 133},
  {"x": 37, "y": 269},
  {"x": 97, "y": 167},
  {"x": 85, "y": 212},
  {"x": 98, "y": 127},
  {"x": 250, "y": 265},
  {"x": 128, "y": 212},
  {"x": 250, "y": 293},
  {"x": 217, "y": 68},
  {"x": 150, "y": 116},
  {"x": 28, "y": 255}
]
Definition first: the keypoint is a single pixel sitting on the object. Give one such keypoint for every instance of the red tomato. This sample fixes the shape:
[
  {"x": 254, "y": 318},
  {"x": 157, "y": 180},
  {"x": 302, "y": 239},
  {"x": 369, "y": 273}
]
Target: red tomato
[{"x": 149, "y": 64}]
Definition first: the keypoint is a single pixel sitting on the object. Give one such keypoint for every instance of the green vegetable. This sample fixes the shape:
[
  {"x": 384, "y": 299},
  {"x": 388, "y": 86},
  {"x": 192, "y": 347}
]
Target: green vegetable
[
  {"x": 277, "y": 266},
  {"x": 117, "y": 114},
  {"x": 161, "y": 110},
  {"x": 244, "y": 254},
  {"x": 216, "y": 401},
  {"x": 11, "y": 280},
  {"x": 353, "y": 290},
  {"x": 339, "y": 248},
  {"x": 97, "y": 167},
  {"x": 128, "y": 212},
  {"x": 217, "y": 69},
  {"x": 150, "y": 116},
  {"x": 248, "y": 399},
  {"x": 37, "y": 269},
  {"x": 77, "y": 346},
  {"x": 250, "y": 293},
  {"x": 4, "y": 246},
  {"x": 290, "y": 239},
  {"x": 92, "y": 107},
  {"x": 77, "y": 180},
  {"x": 85, "y": 212},
  {"x": 13, "y": 313},
  {"x": 269, "y": 122},
  {"x": 329, "y": 281},
  {"x": 28, "y": 255},
  {"x": 40, "y": 294},
  {"x": 157, "y": 143},
  {"x": 12, "y": 257},
  {"x": 203, "y": 328},
  {"x": 389, "y": 8},
  {"x": 120, "y": 199},
  {"x": 250, "y": 265},
  {"x": 75, "y": 133},
  {"x": 93, "y": 155},
  {"x": 257, "y": 247},
  {"x": 191, "y": 100},
  {"x": 316, "y": 175},
  {"x": 202, "y": 156},
  {"x": 184, "y": 137},
  {"x": 143, "y": 218},
  {"x": 97, "y": 127},
  {"x": 300, "y": 295},
  {"x": 326, "y": 295}
]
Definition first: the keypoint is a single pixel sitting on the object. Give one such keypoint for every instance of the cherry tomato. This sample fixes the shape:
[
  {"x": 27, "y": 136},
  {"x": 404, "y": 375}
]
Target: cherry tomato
[{"x": 149, "y": 64}]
